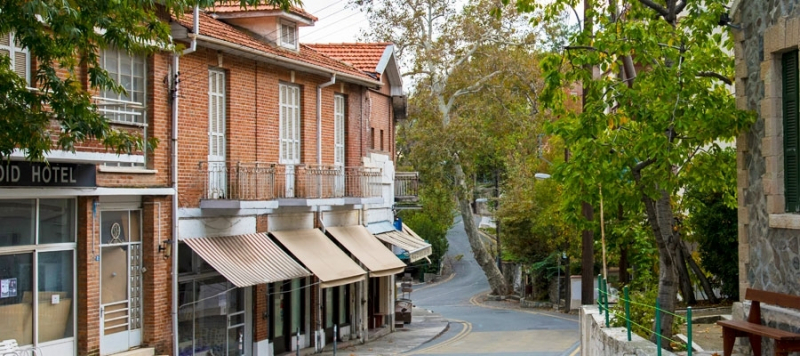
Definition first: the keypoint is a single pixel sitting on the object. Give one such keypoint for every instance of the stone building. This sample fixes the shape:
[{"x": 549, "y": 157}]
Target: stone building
[{"x": 767, "y": 37}]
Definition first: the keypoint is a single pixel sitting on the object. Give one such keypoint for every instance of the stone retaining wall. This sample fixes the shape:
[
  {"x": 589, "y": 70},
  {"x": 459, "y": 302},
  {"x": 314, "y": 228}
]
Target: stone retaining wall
[{"x": 598, "y": 340}]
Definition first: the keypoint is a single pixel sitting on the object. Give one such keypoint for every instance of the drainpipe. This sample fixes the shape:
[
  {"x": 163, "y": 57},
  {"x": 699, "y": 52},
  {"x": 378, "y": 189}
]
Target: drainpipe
[
  {"x": 175, "y": 98},
  {"x": 319, "y": 116}
]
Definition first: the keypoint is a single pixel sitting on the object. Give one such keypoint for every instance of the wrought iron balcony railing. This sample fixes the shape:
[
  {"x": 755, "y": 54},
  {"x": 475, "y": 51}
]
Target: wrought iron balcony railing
[
  {"x": 406, "y": 186},
  {"x": 238, "y": 180},
  {"x": 268, "y": 181}
]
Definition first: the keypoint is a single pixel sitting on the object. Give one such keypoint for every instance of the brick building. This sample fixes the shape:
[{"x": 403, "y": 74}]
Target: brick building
[
  {"x": 248, "y": 231},
  {"x": 767, "y": 37}
]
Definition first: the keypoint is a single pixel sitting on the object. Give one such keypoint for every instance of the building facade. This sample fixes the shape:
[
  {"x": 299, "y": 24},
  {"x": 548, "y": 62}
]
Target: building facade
[
  {"x": 248, "y": 231},
  {"x": 767, "y": 36}
]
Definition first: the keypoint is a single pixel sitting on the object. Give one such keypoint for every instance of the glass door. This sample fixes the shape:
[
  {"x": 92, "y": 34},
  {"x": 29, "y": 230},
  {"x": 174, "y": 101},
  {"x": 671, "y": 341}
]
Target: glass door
[{"x": 120, "y": 281}]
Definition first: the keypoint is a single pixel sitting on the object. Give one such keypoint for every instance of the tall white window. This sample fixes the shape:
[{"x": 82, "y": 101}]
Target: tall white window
[
  {"x": 20, "y": 59},
  {"x": 289, "y": 124},
  {"x": 129, "y": 72},
  {"x": 338, "y": 129},
  {"x": 288, "y": 35},
  {"x": 217, "y": 175}
]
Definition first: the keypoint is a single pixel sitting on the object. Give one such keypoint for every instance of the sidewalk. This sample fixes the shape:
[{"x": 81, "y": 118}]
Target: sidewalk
[{"x": 425, "y": 326}]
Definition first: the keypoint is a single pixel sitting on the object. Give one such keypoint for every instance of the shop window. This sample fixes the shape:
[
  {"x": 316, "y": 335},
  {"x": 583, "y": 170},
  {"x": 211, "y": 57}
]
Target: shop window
[
  {"x": 211, "y": 318},
  {"x": 44, "y": 273}
]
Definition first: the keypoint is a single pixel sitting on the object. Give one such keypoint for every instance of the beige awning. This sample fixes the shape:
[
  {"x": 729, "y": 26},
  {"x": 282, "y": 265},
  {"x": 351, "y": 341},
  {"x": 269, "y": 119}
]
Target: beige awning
[
  {"x": 408, "y": 240},
  {"x": 247, "y": 260},
  {"x": 321, "y": 256},
  {"x": 378, "y": 259}
]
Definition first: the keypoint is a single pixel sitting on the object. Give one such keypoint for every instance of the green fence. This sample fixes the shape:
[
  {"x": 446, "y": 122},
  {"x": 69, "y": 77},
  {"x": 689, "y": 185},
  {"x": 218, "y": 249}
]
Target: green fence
[{"x": 602, "y": 304}]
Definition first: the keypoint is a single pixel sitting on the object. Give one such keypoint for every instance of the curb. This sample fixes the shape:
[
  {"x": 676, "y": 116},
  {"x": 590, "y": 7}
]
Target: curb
[{"x": 474, "y": 300}]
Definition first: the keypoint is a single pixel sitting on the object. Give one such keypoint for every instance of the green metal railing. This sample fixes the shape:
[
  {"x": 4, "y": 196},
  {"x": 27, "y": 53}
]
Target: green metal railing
[{"x": 602, "y": 304}]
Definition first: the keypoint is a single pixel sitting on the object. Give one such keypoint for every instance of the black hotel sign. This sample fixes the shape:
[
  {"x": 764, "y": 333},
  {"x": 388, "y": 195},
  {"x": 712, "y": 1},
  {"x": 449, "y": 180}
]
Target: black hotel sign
[{"x": 36, "y": 174}]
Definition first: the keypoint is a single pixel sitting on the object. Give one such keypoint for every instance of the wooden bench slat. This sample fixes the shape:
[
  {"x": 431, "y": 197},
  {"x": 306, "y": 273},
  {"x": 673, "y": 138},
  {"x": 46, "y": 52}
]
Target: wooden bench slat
[
  {"x": 779, "y": 299},
  {"x": 757, "y": 329}
]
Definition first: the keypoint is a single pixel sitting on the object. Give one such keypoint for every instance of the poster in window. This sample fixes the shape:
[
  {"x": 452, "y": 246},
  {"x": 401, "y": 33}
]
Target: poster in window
[{"x": 8, "y": 288}]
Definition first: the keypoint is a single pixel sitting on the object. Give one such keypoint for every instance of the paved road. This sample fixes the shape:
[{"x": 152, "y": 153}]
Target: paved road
[{"x": 478, "y": 330}]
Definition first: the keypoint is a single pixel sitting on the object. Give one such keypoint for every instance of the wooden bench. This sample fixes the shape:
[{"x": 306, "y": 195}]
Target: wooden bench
[{"x": 785, "y": 341}]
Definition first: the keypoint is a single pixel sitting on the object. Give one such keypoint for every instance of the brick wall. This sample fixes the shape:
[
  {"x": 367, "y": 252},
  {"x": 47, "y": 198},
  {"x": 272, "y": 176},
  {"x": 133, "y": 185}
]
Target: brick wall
[
  {"x": 381, "y": 119},
  {"x": 252, "y": 116},
  {"x": 88, "y": 293},
  {"x": 157, "y": 281}
]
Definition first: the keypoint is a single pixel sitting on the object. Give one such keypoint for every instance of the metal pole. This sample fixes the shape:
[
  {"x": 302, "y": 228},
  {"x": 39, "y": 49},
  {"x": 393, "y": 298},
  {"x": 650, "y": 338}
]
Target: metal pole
[
  {"x": 587, "y": 240},
  {"x": 658, "y": 328},
  {"x": 627, "y": 312},
  {"x": 297, "y": 342},
  {"x": 558, "y": 282},
  {"x": 496, "y": 220},
  {"x": 599, "y": 293},
  {"x": 689, "y": 330},
  {"x": 334, "y": 339},
  {"x": 605, "y": 299}
]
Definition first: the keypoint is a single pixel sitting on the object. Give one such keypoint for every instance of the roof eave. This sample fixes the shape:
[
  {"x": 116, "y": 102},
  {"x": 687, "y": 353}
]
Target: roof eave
[
  {"x": 247, "y": 52},
  {"x": 300, "y": 20}
]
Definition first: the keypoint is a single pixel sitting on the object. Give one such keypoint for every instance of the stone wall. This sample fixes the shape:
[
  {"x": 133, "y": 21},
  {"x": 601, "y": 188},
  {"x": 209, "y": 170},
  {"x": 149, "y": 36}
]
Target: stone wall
[
  {"x": 769, "y": 239},
  {"x": 598, "y": 340}
]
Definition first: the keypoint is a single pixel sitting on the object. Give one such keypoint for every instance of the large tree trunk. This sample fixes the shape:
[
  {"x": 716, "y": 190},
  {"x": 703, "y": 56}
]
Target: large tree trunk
[
  {"x": 487, "y": 263},
  {"x": 687, "y": 291},
  {"x": 699, "y": 273},
  {"x": 660, "y": 217}
]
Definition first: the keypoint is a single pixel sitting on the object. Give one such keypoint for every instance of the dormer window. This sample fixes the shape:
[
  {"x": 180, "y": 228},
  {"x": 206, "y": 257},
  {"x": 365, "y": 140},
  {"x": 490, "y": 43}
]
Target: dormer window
[{"x": 288, "y": 35}]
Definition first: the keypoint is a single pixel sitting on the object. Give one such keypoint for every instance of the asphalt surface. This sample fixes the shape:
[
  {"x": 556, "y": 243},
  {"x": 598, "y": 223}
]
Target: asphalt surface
[{"x": 482, "y": 327}]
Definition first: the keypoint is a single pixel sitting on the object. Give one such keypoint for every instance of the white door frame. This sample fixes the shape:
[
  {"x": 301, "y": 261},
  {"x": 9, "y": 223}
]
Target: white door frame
[{"x": 123, "y": 340}]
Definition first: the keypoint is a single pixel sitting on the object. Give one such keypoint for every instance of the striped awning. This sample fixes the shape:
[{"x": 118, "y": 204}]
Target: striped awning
[
  {"x": 408, "y": 240},
  {"x": 247, "y": 260},
  {"x": 378, "y": 259},
  {"x": 321, "y": 256}
]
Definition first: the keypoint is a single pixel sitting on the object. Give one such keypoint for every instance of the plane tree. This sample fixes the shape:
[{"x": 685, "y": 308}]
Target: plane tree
[{"x": 451, "y": 56}]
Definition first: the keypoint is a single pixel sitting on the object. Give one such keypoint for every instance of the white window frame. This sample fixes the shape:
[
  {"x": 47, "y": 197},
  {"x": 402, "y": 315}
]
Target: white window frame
[
  {"x": 338, "y": 129},
  {"x": 123, "y": 108},
  {"x": 13, "y": 48},
  {"x": 287, "y": 28},
  {"x": 289, "y": 123}
]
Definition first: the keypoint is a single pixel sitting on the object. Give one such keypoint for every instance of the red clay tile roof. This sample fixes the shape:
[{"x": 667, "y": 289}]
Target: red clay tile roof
[
  {"x": 228, "y": 7},
  {"x": 217, "y": 29},
  {"x": 364, "y": 56}
]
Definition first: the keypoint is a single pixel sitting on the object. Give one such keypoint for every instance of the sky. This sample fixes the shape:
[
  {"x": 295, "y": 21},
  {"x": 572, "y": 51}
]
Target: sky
[{"x": 337, "y": 22}]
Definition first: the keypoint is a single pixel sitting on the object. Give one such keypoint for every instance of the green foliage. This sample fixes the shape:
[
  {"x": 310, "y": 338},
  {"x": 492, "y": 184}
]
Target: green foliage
[
  {"x": 643, "y": 313},
  {"x": 713, "y": 223},
  {"x": 64, "y": 39},
  {"x": 433, "y": 221}
]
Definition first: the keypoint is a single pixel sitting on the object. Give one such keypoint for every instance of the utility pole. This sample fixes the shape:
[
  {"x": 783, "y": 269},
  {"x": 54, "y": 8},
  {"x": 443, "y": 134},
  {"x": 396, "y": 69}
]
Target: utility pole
[
  {"x": 496, "y": 220},
  {"x": 587, "y": 240}
]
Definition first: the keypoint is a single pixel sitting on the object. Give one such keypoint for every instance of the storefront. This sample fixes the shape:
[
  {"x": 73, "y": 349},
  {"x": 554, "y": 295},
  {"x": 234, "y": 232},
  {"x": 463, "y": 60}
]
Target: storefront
[
  {"x": 215, "y": 291},
  {"x": 37, "y": 273}
]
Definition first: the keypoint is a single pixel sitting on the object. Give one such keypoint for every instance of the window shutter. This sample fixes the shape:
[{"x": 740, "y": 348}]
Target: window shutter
[{"x": 791, "y": 130}]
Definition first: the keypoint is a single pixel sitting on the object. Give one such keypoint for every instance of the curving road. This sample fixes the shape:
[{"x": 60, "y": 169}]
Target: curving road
[{"x": 477, "y": 329}]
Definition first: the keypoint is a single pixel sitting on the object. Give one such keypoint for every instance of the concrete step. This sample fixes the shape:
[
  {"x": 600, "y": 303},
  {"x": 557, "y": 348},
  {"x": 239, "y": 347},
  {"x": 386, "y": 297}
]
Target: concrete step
[{"x": 137, "y": 352}]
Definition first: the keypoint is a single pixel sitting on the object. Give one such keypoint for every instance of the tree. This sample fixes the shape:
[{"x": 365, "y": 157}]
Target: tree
[
  {"x": 712, "y": 218},
  {"x": 451, "y": 56},
  {"x": 660, "y": 97},
  {"x": 64, "y": 38}
]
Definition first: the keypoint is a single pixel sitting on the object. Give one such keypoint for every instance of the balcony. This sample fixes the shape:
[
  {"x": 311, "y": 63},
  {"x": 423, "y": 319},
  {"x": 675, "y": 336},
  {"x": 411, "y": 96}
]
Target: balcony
[
  {"x": 227, "y": 184},
  {"x": 406, "y": 189}
]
